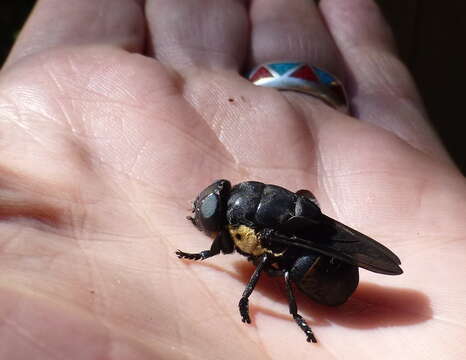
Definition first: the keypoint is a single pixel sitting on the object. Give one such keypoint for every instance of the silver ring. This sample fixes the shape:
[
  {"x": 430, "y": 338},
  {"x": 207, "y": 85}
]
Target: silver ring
[{"x": 304, "y": 78}]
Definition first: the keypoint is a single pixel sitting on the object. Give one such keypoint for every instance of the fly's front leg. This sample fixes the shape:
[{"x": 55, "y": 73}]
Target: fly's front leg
[
  {"x": 244, "y": 301},
  {"x": 221, "y": 243},
  {"x": 196, "y": 256},
  {"x": 294, "y": 311}
]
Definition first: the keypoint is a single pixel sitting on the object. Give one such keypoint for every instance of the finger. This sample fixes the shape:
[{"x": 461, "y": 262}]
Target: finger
[
  {"x": 292, "y": 30},
  {"x": 203, "y": 33},
  {"x": 381, "y": 89},
  {"x": 73, "y": 22}
]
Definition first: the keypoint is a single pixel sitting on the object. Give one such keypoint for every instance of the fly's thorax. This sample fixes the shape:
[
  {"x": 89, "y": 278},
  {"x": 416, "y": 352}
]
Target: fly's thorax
[{"x": 248, "y": 241}]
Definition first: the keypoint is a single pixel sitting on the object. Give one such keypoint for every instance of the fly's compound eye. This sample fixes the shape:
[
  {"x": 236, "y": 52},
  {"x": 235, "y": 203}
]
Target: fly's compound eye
[{"x": 210, "y": 207}]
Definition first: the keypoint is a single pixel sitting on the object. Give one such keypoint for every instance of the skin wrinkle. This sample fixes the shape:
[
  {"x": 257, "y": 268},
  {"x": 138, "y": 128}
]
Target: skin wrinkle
[
  {"x": 190, "y": 39},
  {"x": 310, "y": 167},
  {"x": 218, "y": 127},
  {"x": 236, "y": 162},
  {"x": 212, "y": 126},
  {"x": 118, "y": 171},
  {"x": 99, "y": 283},
  {"x": 264, "y": 350},
  {"x": 140, "y": 179},
  {"x": 386, "y": 85},
  {"x": 53, "y": 211},
  {"x": 60, "y": 33},
  {"x": 6, "y": 321},
  {"x": 172, "y": 284},
  {"x": 223, "y": 308},
  {"x": 66, "y": 116},
  {"x": 122, "y": 190},
  {"x": 357, "y": 33},
  {"x": 299, "y": 30},
  {"x": 369, "y": 37},
  {"x": 102, "y": 329},
  {"x": 173, "y": 49},
  {"x": 7, "y": 242},
  {"x": 323, "y": 179},
  {"x": 192, "y": 138},
  {"x": 49, "y": 216},
  {"x": 48, "y": 71},
  {"x": 79, "y": 215},
  {"x": 91, "y": 92},
  {"x": 449, "y": 322},
  {"x": 14, "y": 204},
  {"x": 137, "y": 157},
  {"x": 413, "y": 131},
  {"x": 23, "y": 333},
  {"x": 28, "y": 131},
  {"x": 82, "y": 154},
  {"x": 202, "y": 146},
  {"x": 332, "y": 353}
]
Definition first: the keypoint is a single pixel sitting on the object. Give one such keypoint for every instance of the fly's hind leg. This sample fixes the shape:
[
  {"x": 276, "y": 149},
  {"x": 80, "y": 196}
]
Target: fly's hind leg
[{"x": 294, "y": 311}]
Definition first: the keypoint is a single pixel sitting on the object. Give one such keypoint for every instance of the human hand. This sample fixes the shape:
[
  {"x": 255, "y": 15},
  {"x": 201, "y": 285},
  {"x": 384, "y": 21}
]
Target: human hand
[{"x": 102, "y": 150}]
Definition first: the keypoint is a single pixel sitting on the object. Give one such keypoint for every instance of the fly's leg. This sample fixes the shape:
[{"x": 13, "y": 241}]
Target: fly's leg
[
  {"x": 294, "y": 311},
  {"x": 270, "y": 270},
  {"x": 221, "y": 243},
  {"x": 196, "y": 256},
  {"x": 244, "y": 301}
]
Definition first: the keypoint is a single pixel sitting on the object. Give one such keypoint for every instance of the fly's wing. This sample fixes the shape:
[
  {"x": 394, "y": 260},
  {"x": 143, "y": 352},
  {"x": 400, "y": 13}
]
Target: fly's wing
[
  {"x": 361, "y": 249},
  {"x": 332, "y": 238}
]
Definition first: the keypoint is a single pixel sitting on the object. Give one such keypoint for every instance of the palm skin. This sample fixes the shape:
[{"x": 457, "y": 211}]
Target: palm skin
[{"x": 102, "y": 152}]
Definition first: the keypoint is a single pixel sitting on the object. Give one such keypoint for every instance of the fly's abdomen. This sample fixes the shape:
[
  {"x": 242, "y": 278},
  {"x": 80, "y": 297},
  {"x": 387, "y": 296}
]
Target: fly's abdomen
[{"x": 329, "y": 281}]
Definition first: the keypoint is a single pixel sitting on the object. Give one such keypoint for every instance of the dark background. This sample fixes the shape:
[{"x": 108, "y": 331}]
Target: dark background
[{"x": 431, "y": 39}]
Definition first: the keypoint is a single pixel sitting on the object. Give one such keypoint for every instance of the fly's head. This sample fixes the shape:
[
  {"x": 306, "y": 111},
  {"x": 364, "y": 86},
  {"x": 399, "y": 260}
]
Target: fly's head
[{"x": 210, "y": 208}]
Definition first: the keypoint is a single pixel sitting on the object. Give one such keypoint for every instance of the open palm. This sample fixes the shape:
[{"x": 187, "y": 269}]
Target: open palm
[{"x": 102, "y": 150}]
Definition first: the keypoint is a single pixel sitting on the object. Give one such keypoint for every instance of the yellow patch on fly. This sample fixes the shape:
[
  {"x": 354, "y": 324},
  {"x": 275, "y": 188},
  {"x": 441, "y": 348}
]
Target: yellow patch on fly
[{"x": 246, "y": 239}]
